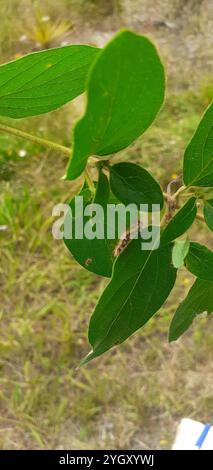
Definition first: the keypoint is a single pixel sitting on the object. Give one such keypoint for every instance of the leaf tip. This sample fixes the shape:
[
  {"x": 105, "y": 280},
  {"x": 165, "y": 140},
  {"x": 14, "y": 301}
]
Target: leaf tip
[
  {"x": 171, "y": 337},
  {"x": 87, "y": 359}
]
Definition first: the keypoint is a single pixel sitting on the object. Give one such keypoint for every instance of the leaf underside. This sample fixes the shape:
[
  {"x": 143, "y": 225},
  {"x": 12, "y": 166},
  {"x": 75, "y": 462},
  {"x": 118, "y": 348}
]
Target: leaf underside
[{"x": 43, "y": 81}]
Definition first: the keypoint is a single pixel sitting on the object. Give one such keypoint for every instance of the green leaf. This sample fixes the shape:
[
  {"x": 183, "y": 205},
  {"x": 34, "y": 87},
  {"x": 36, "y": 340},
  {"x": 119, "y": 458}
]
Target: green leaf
[
  {"x": 208, "y": 213},
  {"x": 179, "y": 252},
  {"x": 198, "y": 158},
  {"x": 133, "y": 184},
  {"x": 125, "y": 92},
  {"x": 198, "y": 300},
  {"x": 141, "y": 282},
  {"x": 199, "y": 261},
  {"x": 43, "y": 81},
  {"x": 181, "y": 222},
  {"x": 96, "y": 255}
]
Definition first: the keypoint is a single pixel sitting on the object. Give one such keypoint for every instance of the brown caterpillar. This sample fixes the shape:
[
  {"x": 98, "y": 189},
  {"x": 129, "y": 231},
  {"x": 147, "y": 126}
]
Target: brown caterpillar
[{"x": 126, "y": 237}]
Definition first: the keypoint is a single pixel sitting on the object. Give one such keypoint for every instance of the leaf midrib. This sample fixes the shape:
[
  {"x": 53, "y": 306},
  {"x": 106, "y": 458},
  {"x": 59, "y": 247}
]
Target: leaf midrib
[{"x": 126, "y": 300}]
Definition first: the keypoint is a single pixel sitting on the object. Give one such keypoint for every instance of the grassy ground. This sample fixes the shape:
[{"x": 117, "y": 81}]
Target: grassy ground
[{"x": 134, "y": 396}]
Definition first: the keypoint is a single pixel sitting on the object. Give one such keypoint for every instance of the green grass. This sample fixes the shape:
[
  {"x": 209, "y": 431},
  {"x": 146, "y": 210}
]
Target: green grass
[{"x": 132, "y": 397}]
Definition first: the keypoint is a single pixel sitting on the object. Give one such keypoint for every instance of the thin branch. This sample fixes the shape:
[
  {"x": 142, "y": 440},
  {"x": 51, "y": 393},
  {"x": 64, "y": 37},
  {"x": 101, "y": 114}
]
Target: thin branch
[
  {"x": 179, "y": 191},
  {"x": 171, "y": 183},
  {"x": 200, "y": 217},
  {"x": 35, "y": 139},
  {"x": 46, "y": 143},
  {"x": 89, "y": 181},
  {"x": 166, "y": 196}
]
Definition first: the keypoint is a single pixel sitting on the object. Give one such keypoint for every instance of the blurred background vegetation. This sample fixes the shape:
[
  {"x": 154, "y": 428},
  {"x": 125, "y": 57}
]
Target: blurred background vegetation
[{"x": 134, "y": 396}]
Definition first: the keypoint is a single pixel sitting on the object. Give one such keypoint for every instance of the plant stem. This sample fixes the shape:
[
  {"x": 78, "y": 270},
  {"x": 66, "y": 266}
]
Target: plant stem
[
  {"x": 163, "y": 220},
  {"x": 38, "y": 140},
  {"x": 200, "y": 217},
  {"x": 179, "y": 191},
  {"x": 35, "y": 139},
  {"x": 166, "y": 196},
  {"x": 89, "y": 181},
  {"x": 171, "y": 200}
]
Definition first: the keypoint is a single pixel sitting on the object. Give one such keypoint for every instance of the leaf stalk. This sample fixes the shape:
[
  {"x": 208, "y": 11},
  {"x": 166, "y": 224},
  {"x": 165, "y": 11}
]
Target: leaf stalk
[{"x": 35, "y": 139}]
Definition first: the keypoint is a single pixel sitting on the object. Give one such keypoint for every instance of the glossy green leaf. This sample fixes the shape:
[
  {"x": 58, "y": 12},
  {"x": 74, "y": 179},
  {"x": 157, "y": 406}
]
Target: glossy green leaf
[
  {"x": 141, "y": 282},
  {"x": 43, "y": 81},
  {"x": 125, "y": 92},
  {"x": 181, "y": 221},
  {"x": 96, "y": 254},
  {"x": 133, "y": 184},
  {"x": 198, "y": 158},
  {"x": 179, "y": 252},
  {"x": 208, "y": 213},
  {"x": 199, "y": 261},
  {"x": 198, "y": 300}
]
